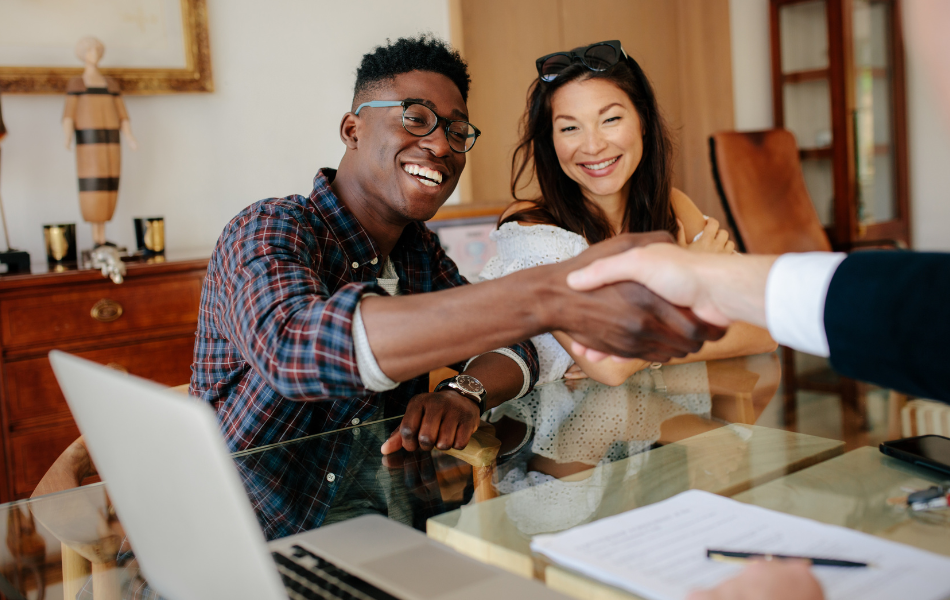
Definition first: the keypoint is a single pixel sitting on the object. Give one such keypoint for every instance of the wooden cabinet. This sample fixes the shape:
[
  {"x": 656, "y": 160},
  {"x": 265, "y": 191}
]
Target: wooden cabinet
[
  {"x": 838, "y": 85},
  {"x": 144, "y": 326}
]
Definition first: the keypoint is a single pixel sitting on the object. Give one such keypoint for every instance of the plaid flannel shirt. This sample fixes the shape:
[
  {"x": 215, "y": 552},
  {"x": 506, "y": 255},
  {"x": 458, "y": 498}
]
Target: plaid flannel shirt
[{"x": 274, "y": 353}]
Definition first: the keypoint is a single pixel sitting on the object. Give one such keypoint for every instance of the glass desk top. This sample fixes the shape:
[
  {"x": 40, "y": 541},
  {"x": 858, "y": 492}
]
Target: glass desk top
[{"x": 568, "y": 453}]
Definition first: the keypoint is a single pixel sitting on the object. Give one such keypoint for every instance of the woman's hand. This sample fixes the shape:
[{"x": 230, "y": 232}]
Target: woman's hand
[
  {"x": 575, "y": 372},
  {"x": 711, "y": 239}
]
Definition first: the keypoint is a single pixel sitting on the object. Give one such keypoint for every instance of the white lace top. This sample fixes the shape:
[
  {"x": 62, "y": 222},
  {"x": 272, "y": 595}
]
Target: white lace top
[{"x": 524, "y": 246}]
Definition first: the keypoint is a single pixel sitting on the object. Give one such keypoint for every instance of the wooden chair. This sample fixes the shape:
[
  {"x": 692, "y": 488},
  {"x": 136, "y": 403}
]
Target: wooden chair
[
  {"x": 760, "y": 182},
  {"x": 82, "y": 557}
]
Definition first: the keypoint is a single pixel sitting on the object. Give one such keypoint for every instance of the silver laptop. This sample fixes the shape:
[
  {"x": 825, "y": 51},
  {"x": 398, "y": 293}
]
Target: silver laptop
[{"x": 180, "y": 499}]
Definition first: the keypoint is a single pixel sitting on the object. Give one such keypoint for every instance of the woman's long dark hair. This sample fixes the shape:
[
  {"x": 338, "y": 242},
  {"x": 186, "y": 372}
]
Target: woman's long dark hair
[{"x": 562, "y": 203}]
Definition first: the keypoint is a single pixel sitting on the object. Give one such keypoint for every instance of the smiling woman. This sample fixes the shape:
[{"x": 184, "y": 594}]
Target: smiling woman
[{"x": 602, "y": 156}]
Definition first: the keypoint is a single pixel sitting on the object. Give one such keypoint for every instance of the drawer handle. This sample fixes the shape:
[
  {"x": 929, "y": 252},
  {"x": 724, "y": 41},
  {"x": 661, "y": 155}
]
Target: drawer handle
[
  {"x": 106, "y": 311},
  {"x": 117, "y": 367}
]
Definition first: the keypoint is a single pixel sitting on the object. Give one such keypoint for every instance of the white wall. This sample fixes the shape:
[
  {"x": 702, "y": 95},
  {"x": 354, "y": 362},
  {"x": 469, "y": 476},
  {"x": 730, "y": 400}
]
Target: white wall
[
  {"x": 928, "y": 131},
  {"x": 751, "y": 64},
  {"x": 283, "y": 74},
  {"x": 929, "y": 162}
]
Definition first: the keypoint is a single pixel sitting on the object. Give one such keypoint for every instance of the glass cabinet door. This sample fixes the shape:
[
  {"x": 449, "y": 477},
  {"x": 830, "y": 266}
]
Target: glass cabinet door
[
  {"x": 873, "y": 106},
  {"x": 806, "y": 96}
]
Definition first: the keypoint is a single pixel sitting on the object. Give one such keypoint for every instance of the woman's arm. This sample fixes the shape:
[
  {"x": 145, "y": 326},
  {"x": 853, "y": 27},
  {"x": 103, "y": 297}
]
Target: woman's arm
[
  {"x": 741, "y": 339},
  {"x": 607, "y": 372}
]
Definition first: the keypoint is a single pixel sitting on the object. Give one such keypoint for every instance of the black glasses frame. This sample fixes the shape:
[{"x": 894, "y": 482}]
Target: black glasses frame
[
  {"x": 577, "y": 55},
  {"x": 438, "y": 119}
]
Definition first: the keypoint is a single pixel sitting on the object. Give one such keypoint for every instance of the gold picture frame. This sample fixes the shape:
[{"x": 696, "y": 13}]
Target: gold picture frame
[{"x": 195, "y": 77}]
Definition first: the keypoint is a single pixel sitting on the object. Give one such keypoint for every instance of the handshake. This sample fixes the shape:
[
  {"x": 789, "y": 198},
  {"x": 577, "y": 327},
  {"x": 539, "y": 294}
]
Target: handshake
[{"x": 657, "y": 300}]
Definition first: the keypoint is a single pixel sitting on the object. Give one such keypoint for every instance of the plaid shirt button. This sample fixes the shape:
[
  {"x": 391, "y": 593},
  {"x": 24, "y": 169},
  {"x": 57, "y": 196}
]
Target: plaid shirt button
[
  {"x": 355, "y": 421},
  {"x": 355, "y": 265},
  {"x": 331, "y": 477}
]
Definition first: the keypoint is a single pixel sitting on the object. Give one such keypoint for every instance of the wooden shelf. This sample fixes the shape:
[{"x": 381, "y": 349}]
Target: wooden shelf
[
  {"x": 846, "y": 79},
  {"x": 808, "y": 75}
]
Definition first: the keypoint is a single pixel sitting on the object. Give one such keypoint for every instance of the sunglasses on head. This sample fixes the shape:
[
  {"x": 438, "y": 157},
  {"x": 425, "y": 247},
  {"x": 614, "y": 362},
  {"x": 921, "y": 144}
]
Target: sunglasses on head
[{"x": 596, "y": 57}]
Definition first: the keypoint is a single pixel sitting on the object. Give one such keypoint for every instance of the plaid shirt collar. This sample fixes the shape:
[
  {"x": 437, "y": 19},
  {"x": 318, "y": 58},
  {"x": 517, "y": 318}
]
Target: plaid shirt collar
[{"x": 353, "y": 239}]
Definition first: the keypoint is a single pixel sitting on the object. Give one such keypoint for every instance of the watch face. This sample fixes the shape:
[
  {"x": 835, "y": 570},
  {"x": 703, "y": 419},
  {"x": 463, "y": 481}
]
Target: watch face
[{"x": 470, "y": 384}]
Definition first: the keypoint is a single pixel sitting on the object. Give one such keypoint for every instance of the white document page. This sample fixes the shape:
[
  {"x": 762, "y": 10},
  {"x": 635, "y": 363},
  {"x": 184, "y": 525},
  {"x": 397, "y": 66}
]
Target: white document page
[{"x": 659, "y": 551}]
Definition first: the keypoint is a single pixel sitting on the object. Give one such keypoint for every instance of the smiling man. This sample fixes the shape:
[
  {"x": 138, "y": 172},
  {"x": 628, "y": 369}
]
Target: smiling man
[{"x": 315, "y": 313}]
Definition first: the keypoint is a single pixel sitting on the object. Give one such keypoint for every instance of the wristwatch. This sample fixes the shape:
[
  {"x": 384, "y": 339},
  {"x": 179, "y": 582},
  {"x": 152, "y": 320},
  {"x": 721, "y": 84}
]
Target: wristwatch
[{"x": 469, "y": 387}]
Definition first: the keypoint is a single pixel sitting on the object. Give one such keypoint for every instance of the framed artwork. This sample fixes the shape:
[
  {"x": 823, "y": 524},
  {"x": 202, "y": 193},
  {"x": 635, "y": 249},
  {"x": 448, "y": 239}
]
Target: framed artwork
[
  {"x": 466, "y": 242},
  {"x": 152, "y": 46}
]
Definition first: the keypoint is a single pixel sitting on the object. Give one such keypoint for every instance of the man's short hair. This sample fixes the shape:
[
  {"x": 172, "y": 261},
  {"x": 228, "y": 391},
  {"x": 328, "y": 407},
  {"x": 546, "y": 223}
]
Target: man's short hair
[{"x": 422, "y": 53}]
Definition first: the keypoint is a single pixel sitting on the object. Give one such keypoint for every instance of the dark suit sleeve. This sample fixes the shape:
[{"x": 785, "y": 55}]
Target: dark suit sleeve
[{"x": 888, "y": 321}]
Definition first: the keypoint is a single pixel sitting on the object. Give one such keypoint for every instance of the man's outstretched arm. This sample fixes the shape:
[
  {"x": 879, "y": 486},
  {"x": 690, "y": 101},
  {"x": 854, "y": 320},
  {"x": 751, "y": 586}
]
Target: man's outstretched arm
[
  {"x": 879, "y": 316},
  {"x": 720, "y": 288},
  {"x": 411, "y": 335},
  {"x": 786, "y": 294}
]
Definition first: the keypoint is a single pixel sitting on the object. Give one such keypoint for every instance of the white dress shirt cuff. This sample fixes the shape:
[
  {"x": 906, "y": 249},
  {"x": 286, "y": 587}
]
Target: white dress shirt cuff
[
  {"x": 373, "y": 377},
  {"x": 795, "y": 299}
]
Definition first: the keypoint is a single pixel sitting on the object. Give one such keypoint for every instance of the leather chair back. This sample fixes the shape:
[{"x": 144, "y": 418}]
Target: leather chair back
[{"x": 759, "y": 178}]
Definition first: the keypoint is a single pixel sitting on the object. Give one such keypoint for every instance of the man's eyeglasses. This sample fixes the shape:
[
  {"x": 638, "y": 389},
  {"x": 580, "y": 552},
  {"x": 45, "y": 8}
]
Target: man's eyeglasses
[
  {"x": 596, "y": 57},
  {"x": 420, "y": 120}
]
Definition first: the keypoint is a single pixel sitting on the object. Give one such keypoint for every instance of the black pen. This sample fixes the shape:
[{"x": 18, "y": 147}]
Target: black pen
[{"x": 730, "y": 556}]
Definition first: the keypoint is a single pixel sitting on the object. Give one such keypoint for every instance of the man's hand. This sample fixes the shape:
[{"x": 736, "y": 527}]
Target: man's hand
[
  {"x": 442, "y": 420},
  {"x": 719, "y": 289},
  {"x": 767, "y": 580},
  {"x": 626, "y": 319}
]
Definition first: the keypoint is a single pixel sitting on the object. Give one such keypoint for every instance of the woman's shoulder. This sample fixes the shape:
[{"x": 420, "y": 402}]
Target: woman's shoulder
[
  {"x": 530, "y": 224},
  {"x": 520, "y": 246}
]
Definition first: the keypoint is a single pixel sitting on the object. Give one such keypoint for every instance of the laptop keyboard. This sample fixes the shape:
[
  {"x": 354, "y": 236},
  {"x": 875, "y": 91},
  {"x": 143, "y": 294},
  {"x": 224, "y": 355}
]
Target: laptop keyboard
[{"x": 307, "y": 576}]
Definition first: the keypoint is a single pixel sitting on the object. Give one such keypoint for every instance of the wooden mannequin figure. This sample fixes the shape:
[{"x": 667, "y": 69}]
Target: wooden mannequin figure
[{"x": 96, "y": 113}]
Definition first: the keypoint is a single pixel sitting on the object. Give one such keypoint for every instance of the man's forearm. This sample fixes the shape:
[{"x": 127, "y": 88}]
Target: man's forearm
[
  {"x": 413, "y": 334},
  {"x": 736, "y": 285},
  {"x": 410, "y": 335}
]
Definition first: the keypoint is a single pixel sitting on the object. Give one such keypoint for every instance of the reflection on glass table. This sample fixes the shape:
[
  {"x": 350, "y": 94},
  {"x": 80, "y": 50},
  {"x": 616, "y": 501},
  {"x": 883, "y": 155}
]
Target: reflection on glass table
[{"x": 567, "y": 453}]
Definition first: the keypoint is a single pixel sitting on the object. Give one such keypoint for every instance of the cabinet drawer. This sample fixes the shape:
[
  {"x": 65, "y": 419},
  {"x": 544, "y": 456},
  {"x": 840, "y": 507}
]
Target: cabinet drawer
[
  {"x": 32, "y": 392},
  {"x": 32, "y": 454},
  {"x": 131, "y": 306}
]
